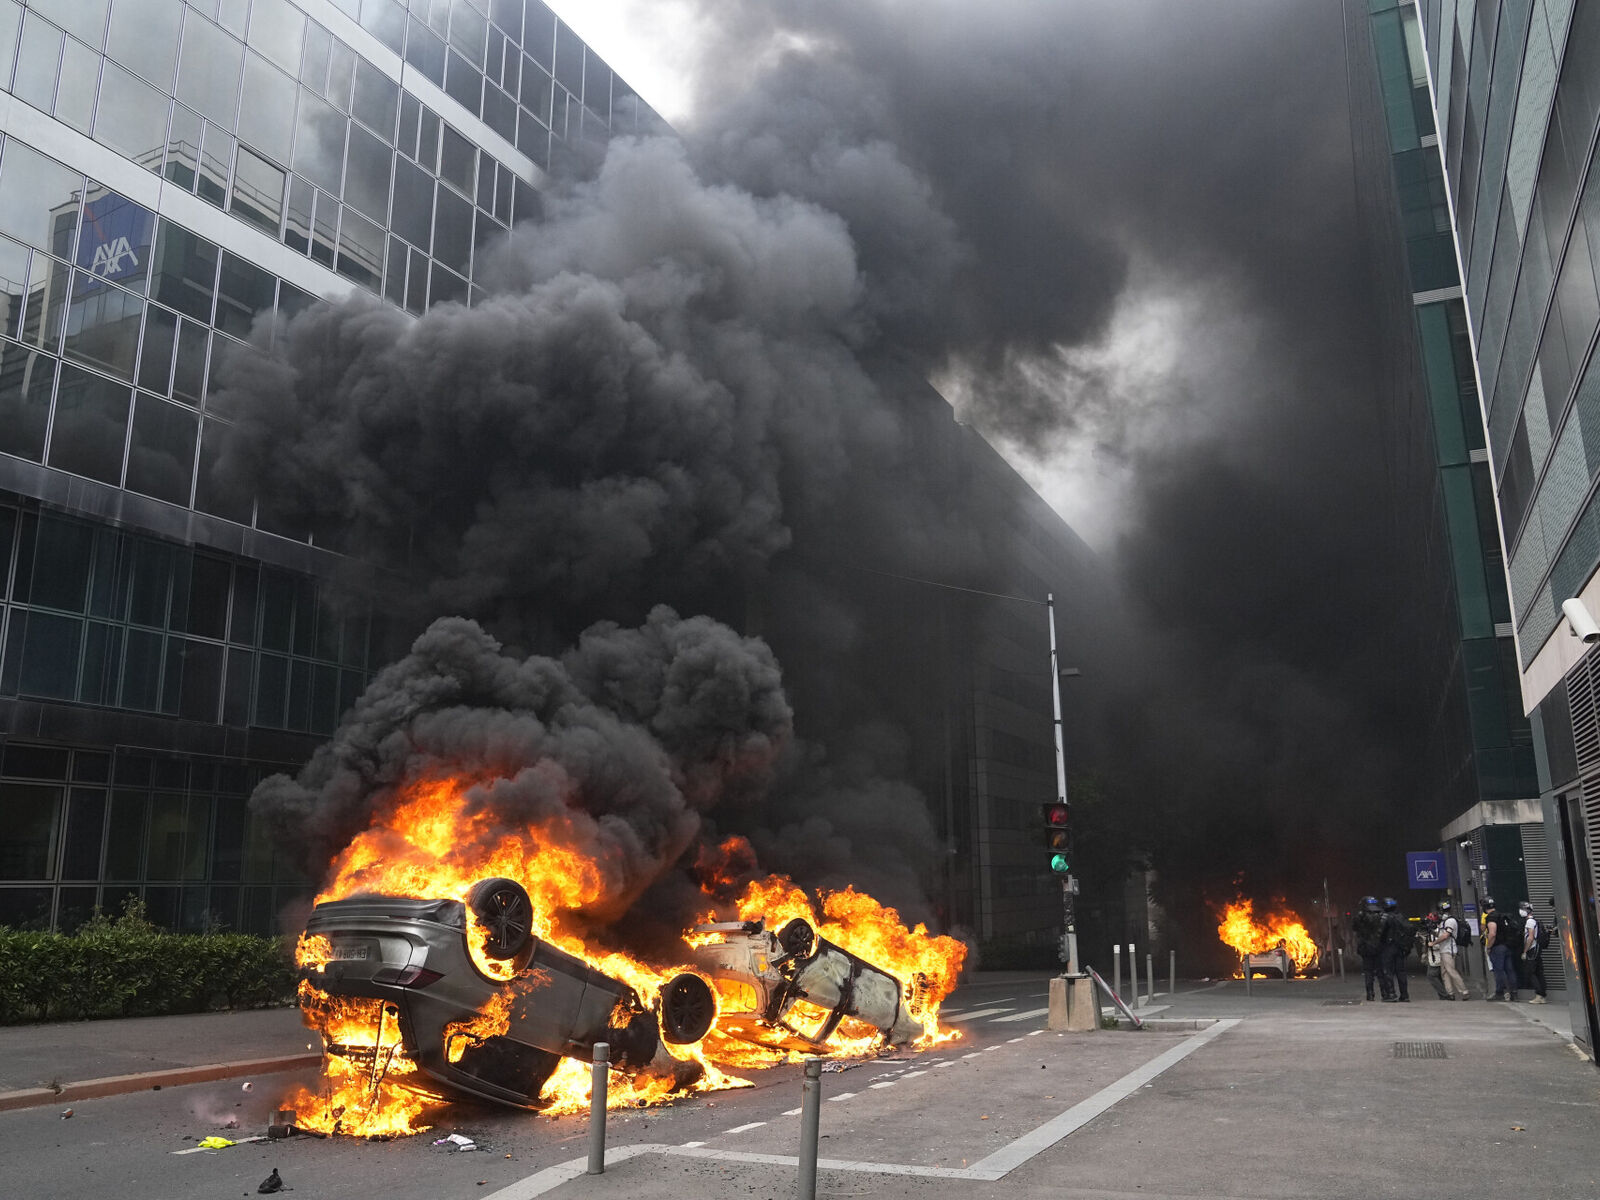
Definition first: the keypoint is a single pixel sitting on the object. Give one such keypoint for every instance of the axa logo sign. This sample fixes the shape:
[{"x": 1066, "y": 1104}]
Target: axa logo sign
[{"x": 113, "y": 258}]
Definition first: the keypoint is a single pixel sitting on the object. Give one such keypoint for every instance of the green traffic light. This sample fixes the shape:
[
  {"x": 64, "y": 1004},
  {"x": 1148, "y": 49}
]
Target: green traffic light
[{"x": 1059, "y": 864}]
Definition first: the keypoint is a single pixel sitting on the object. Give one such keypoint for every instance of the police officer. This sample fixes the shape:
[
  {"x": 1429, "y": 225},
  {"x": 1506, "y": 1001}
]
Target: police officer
[
  {"x": 1367, "y": 925},
  {"x": 1395, "y": 944}
]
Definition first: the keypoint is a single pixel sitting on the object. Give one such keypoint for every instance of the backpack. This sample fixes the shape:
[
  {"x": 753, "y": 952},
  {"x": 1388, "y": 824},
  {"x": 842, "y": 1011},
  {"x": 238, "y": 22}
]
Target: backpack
[
  {"x": 1546, "y": 932},
  {"x": 1463, "y": 932}
]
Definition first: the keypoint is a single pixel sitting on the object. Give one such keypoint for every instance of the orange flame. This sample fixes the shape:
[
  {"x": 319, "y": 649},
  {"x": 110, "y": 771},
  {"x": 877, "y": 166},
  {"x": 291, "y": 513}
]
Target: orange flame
[{"x": 1240, "y": 929}]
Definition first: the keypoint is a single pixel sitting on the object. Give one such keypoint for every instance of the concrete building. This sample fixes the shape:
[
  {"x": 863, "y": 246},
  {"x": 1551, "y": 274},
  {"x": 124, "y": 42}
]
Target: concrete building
[{"x": 170, "y": 169}]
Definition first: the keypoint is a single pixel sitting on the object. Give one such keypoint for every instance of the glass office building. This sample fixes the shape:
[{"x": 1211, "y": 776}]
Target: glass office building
[
  {"x": 169, "y": 171},
  {"x": 1513, "y": 90}
]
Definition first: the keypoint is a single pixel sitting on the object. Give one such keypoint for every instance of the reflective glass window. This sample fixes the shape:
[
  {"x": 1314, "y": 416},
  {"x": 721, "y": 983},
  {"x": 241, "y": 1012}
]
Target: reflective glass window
[
  {"x": 495, "y": 66},
  {"x": 216, "y": 165},
  {"x": 266, "y": 112},
  {"x": 50, "y": 655},
  {"x": 131, "y": 117},
  {"x": 533, "y": 139},
  {"x": 468, "y": 30},
  {"x": 428, "y": 140},
  {"x": 14, "y": 258},
  {"x": 297, "y": 215},
  {"x": 60, "y": 573},
  {"x": 325, "y": 229},
  {"x": 416, "y": 282},
  {"x": 413, "y": 204},
  {"x": 341, "y": 75},
  {"x": 218, "y": 492},
  {"x": 292, "y": 301},
  {"x": 26, "y": 381},
  {"x": 319, "y": 142},
  {"x": 452, "y": 231},
  {"x": 155, "y": 359},
  {"x": 103, "y": 325},
  {"x": 536, "y": 85},
  {"x": 125, "y": 835},
  {"x": 83, "y": 19},
  {"x": 360, "y": 251},
  {"x": 223, "y": 350},
  {"x": 10, "y": 30},
  {"x": 189, "y": 363},
  {"x": 38, "y": 60},
  {"x": 410, "y": 121},
  {"x": 511, "y": 80},
  {"x": 569, "y": 59},
  {"x": 508, "y": 15},
  {"x": 80, "y": 78},
  {"x": 115, "y": 241},
  {"x": 39, "y": 199},
  {"x": 90, "y": 426},
  {"x": 243, "y": 290},
  {"x": 375, "y": 99},
  {"x": 194, "y": 669},
  {"x": 458, "y": 161},
  {"x": 102, "y": 663},
  {"x": 463, "y": 82},
  {"x": 143, "y": 36},
  {"x": 44, "y": 308},
  {"x": 141, "y": 670},
  {"x": 367, "y": 174},
  {"x": 314, "y": 66},
  {"x": 185, "y": 271},
  {"x": 161, "y": 452},
  {"x": 385, "y": 20},
  {"x": 539, "y": 32},
  {"x": 257, "y": 191},
  {"x": 445, "y": 286},
  {"x": 86, "y": 818},
  {"x": 208, "y": 596},
  {"x": 425, "y": 51},
  {"x": 500, "y": 113},
  {"x": 33, "y": 817},
  {"x": 208, "y": 70},
  {"x": 277, "y": 29},
  {"x": 394, "y": 277},
  {"x": 183, "y": 148}
]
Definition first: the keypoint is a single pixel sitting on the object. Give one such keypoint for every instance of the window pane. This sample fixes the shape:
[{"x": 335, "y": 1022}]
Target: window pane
[
  {"x": 463, "y": 82},
  {"x": 102, "y": 661},
  {"x": 376, "y": 96},
  {"x": 85, "y": 19},
  {"x": 33, "y": 813},
  {"x": 325, "y": 229},
  {"x": 385, "y": 20},
  {"x": 189, "y": 365},
  {"x": 80, "y": 77},
  {"x": 314, "y": 62},
  {"x": 243, "y": 290},
  {"x": 167, "y": 829},
  {"x": 266, "y": 111},
  {"x": 155, "y": 360},
  {"x": 60, "y": 565},
  {"x": 103, "y": 325},
  {"x": 468, "y": 30},
  {"x": 539, "y": 31},
  {"x": 257, "y": 192},
  {"x": 183, "y": 148},
  {"x": 50, "y": 657},
  {"x": 90, "y": 426},
  {"x": 367, "y": 175},
  {"x": 38, "y": 58},
  {"x": 413, "y": 205},
  {"x": 500, "y": 113},
  {"x": 39, "y": 199},
  {"x": 10, "y": 30},
  {"x": 276, "y": 29},
  {"x": 86, "y": 818},
  {"x": 458, "y": 161},
  {"x": 215, "y": 492},
  {"x": 115, "y": 241},
  {"x": 125, "y": 834},
  {"x": 141, "y": 670},
  {"x": 161, "y": 454},
  {"x": 360, "y": 251},
  {"x": 208, "y": 596},
  {"x": 341, "y": 75},
  {"x": 26, "y": 381},
  {"x": 452, "y": 234},
  {"x": 144, "y": 37},
  {"x": 272, "y": 690},
  {"x": 319, "y": 142},
  {"x": 185, "y": 272},
  {"x": 44, "y": 311},
  {"x": 216, "y": 164},
  {"x": 297, "y": 215},
  {"x": 236, "y": 692},
  {"x": 208, "y": 71},
  {"x": 132, "y": 117},
  {"x": 197, "y": 666},
  {"x": 425, "y": 51},
  {"x": 446, "y": 286}
]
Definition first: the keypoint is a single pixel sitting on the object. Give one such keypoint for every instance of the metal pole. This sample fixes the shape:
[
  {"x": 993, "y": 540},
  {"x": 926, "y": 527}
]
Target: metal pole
[
  {"x": 1068, "y": 915},
  {"x": 1149, "y": 978},
  {"x": 1341, "y": 964},
  {"x": 1116, "y": 967},
  {"x": 1244, "y": 961},
  {"x": 810, "y": 1123},
  {"x": 1172, "y": 974},
  {"x": 1133, "y": 975},
  {"x": 597, "y": 1109}
]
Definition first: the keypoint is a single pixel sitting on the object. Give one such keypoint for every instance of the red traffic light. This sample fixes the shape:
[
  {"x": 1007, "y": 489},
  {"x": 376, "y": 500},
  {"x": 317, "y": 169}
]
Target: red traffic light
[{"x": 1056, "y": 814}]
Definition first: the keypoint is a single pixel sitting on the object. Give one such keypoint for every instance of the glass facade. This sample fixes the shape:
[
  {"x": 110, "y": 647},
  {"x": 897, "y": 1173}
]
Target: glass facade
[{"x": 183, "y": 170}]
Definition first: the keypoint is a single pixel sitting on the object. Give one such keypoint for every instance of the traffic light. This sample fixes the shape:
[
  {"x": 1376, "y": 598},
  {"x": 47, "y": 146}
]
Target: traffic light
[{"x": 1057, "y": 817}]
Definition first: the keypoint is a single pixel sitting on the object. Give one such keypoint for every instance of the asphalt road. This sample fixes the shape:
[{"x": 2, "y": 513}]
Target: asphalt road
[{"x": 126, "y": 1147}]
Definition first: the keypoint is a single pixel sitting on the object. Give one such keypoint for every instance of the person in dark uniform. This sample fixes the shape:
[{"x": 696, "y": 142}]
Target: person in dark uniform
[
  {"x": 1395, "y": 945},
  {"x": 1367, "y": 925},
  {"x": 1503, "y": 940}
]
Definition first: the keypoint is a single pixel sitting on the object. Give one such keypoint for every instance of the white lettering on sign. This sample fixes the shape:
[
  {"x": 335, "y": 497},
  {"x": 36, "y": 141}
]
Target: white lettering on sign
[{"x": 108, "y": 257}]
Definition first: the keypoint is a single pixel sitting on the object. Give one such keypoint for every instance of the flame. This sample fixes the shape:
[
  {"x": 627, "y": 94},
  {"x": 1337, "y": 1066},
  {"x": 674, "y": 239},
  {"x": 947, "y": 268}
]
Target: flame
[
  {"x": 1240, "y": 929},
  {"x": 429, "y": 843}
]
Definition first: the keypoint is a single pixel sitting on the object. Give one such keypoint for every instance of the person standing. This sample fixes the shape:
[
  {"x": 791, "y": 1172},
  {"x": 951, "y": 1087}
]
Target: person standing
[
  {"x": 1499, "y": 936},
  {"x": 1530, "y": 962},
  {"x": 1431, "y": 955},
  {"x": 1367, "y": 925},
  {"x": 1394, "y": 947},
  {"x": 1446, "y": 940}
]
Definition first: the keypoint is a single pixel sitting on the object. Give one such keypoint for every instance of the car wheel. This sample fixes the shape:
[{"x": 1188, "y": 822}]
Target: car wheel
[
  {"x": 687, "y": 1009},
  {"x": 502, "y": 907}
]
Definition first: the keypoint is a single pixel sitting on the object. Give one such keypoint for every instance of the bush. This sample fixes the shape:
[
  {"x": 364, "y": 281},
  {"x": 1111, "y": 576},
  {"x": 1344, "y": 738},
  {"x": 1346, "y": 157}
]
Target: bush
[{"x": 129, "y": 968}]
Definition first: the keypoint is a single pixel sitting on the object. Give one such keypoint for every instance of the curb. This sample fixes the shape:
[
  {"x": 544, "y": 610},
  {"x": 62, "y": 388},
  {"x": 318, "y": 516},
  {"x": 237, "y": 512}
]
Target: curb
[{"x": 117, "y": 1085}]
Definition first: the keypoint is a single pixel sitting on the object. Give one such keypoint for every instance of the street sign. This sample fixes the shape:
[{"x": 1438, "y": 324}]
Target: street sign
[{"x": 1425, "y": 869}]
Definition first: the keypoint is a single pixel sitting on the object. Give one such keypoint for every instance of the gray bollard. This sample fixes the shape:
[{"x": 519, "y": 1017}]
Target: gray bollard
[
  {"x": 1244, "y": 961},
  {"x": 810, "y": 1124},
  {"x": 1340, "y": 953},
  {"x": 1172, "y": 974},
  {"x": 597, "y": 1109},
  {"x": 1133, "y": 975},
  {"x": 1116, "y": 968},
  {"x": 1149, "y": 978}
]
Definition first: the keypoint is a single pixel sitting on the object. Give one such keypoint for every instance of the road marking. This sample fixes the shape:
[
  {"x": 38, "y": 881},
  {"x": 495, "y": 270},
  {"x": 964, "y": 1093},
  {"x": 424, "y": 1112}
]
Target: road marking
[
  {"x": 974, "y": 1054},
  {"x": 791, "y": 1112},
  {"x": 973, "y": 1016},
  {"x": 1035, "y": 1032},
  {"x": 891, "y": 1083},
  {"x": 913, "y": 1074},
  {"x": 692, "y": 1145},
  {"x": 1012, "y": 1041},
  {"x": 841, "y": 1096},
  {"x": 1021, "y": 1016},
  {"x": 744, "y": 1128},
  {"x": 996, "y": 1166}
]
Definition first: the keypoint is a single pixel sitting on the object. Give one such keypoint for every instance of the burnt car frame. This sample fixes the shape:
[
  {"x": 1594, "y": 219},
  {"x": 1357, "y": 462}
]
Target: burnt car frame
[{"x": 413, "y": 957}]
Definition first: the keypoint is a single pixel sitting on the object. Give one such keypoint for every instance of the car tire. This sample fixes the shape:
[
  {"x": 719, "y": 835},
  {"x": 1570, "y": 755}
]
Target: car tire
[
  {"x": 688, "y": 1009},
  {"x": 502, "y": 907}
]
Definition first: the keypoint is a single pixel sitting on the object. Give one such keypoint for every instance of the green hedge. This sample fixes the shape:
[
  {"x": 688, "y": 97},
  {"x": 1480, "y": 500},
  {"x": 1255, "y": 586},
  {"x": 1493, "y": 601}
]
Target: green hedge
[{"x": 128, "y": 968}]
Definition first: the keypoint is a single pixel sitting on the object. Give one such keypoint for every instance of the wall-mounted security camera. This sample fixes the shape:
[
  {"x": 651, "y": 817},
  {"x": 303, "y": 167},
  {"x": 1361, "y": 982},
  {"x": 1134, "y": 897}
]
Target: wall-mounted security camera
[{"x": 1579, "y": 620}]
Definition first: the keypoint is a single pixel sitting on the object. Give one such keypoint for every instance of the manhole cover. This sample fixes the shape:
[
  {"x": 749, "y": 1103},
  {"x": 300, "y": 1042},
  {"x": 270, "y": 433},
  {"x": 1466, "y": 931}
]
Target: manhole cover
[
  {"x": 1338, "y": 1003},
  {"x": 1419, "y": 1050}
]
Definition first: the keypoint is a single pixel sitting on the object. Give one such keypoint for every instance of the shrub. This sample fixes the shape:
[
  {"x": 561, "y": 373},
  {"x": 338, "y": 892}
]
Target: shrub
[{"x": 129, "y": 968}]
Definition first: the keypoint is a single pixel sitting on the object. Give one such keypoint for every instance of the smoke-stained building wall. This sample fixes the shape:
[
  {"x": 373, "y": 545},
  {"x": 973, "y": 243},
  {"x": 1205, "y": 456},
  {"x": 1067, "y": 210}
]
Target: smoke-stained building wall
[
  {"x": 178, "y": 178},
  {"x": 1515, "y": 101}
]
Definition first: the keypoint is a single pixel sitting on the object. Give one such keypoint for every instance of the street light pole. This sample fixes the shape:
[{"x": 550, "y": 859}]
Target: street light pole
[{"x": 1069, "y": 927}]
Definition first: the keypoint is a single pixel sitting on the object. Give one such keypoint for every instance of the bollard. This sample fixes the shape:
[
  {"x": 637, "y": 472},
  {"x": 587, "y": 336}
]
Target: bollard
[
  {"x": 1149, "y": 978},
  {"x": 597, "y": 1109},
  {"x": 1341, "y": 963},
  {"x": 1133, "y": 975},
  {"x": 1172, "y": 974},
  {"x": 1244, "y": 961},
  {"x": 810, "y": 1123},
  {"x": 1116, "y": 968}
]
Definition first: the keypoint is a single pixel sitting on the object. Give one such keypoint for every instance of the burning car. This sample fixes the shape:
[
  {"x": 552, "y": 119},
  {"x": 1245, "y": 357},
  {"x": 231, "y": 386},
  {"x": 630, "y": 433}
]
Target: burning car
[
  {"x": 792, "y": 989},
  {"x": 467, "y": 1001}
]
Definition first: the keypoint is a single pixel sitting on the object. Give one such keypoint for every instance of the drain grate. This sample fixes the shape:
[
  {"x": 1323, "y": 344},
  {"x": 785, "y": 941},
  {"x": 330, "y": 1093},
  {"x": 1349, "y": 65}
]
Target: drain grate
[
  {"x": 1419, "y": 1050},
  {"x": 1338, "y": 1003}
]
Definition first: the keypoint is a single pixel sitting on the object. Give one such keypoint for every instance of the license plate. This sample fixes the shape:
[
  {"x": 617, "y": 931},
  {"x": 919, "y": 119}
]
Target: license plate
[{"x": 347, "y": 951}]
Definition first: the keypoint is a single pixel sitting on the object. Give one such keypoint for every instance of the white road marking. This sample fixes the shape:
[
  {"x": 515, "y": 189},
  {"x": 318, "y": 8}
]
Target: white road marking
[
  {"x": 1021, "y": 1016},
  {"x": 692, "y": 1145},
  {"x": 891, "y": 1083},
  {"x": 1012, "y": 1041},
  {"x": 744, "y": 1128},
  {"x": 974, "y": 1054},
  {"x": 996, "y": 1166},
  {"x": 842, "y": 1096},
  {"x": 913, "y": 1074},
  {"x": 973, "y": 1016},
  {"x": 1035, "y": 1032},
  {"x": 791, "y": 1112}
]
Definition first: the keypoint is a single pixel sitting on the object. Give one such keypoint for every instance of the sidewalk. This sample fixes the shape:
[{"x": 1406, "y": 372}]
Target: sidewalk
[{"x": 141, "y": 1052}]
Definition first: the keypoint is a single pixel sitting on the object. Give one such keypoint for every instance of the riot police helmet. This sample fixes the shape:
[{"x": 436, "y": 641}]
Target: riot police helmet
[{"x": 1389, "y": 904}]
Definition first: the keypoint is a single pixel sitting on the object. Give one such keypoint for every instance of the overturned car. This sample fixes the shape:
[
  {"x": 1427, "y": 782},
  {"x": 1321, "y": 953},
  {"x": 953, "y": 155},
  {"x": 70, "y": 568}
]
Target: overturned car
[{"x": 413, "y": 958}]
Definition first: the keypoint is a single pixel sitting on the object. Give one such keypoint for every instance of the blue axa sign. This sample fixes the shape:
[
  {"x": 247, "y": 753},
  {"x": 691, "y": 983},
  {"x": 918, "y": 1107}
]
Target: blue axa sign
[
  {"x": 115, "y": 243},
  {"x": 1425, "y": 868}
]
